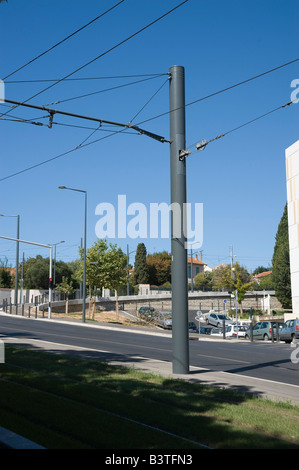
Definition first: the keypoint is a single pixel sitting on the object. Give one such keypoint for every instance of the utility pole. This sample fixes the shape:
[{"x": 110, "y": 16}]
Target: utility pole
[
  {"x": 50, "y": 268},
  {"x": 179, "y": 280}
]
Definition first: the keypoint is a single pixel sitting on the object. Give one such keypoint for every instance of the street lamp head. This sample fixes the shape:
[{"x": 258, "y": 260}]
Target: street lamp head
[{"x": 61, "y": 187}]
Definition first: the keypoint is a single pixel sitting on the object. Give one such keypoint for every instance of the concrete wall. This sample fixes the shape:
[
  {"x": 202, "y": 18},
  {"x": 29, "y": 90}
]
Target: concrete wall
[
  {"x": 29, "y": 294},
  {"x": 197, "y": 301},
  {"x": 292, "y": 173}
]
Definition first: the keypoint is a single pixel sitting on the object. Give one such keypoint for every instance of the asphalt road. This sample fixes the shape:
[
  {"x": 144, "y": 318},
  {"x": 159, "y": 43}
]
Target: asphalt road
[{"x": 270, "y": 361}]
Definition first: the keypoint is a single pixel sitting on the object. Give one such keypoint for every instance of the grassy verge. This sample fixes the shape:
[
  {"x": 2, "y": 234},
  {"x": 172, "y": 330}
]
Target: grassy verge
[{"x": 66, "y": 403}]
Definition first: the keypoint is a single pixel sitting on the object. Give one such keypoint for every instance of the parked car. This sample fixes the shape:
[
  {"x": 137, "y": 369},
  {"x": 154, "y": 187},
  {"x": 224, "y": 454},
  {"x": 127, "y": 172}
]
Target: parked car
[
  {"x": 242, "y": 323},
  {"x": 289, "y": 331},
  {"x": 232, "y": 331},
  {"x": 192, "y": 327},
  {"x": 216, "y": 319},
  {"x": 149, "y": 311},
  {"x": 165, "y": 321},
  {"x": 205, "y": 330},
  {"x": 216, "y": 332},
  {"x": 263, "y": 330}
]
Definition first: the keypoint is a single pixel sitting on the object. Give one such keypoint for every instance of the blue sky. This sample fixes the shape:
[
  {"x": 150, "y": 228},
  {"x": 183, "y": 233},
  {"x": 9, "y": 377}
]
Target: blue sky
[{"x": 240, "y": 179}]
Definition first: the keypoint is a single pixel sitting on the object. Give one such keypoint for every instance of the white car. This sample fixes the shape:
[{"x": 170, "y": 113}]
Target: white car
[
  {"x": 243, "y": 323},
  {"x": 231, "y": 331},
  {"x": 216, "y": 319}
]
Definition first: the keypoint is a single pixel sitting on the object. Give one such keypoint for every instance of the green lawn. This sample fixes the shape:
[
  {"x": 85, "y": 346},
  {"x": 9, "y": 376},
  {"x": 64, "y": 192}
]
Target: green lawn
[{"x": 66, "y": 403}]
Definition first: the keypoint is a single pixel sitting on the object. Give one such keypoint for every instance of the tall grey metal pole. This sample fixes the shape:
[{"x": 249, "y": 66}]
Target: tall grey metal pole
[
  {"x": 50, "y": 286},
  {"x": 17, "y": 262},
  {"x": 128, "y": 285},
  {"x": 22, "y": 279},
  {"x": 84, "y": 258},
  {"x": 179, "y": 274},
  {"x": 84, "y": 265}
]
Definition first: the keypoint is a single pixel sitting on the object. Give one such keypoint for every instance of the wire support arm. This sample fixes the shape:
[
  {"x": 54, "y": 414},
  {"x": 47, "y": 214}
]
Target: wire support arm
[{"x": 51, "y": 112}]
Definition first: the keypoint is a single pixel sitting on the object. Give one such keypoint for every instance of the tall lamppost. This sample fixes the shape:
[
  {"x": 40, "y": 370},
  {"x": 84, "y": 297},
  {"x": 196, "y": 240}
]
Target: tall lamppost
[
  {"x": 84, "y": 260},
  {"x": 17, "y": 256},
  {"x": 54, "y": 273}
]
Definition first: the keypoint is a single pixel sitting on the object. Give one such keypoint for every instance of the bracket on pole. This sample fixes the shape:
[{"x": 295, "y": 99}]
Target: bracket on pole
[{"x": 183, "y": 154}]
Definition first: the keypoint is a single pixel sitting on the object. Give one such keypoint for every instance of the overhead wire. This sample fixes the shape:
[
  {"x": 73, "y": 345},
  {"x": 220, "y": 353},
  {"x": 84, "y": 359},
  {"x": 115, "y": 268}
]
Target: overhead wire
[
  {"x": 199, "y": 147},
  {"x": 86, "y": 78},
  {"x": 108, "y": 50},
  {"x": 63, "y": 40},
  {"x": 63, "y": 154},
  {"x": 103, "y": 91},
  {"x": 231, "y": 87},
  {"x": 151, "y": 98},
  {"x": 203, "y": 144}
]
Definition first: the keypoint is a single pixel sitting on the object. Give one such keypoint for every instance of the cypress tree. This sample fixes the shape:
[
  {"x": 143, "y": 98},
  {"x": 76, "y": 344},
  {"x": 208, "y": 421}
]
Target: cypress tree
[
  {"x": 141, "y": 272},
  {"x": 281, "y": 274}
]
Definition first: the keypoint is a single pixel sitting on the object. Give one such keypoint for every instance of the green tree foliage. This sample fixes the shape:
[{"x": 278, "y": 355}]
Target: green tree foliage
[
  {"x": 6, "y": 278},
  {"x": 238, "y": 280},
  {"x": 203, "y": 281},
  {"x": 66, "y": 288},
  {"x": 260, "y": 269},
  {"x": 36, "y": 272},
  {"x": 106, "y": 267},
  {"x": 159, "y": 268},
  {"x": 281, "y": 274},
  {"x": 141, "y": 272}
]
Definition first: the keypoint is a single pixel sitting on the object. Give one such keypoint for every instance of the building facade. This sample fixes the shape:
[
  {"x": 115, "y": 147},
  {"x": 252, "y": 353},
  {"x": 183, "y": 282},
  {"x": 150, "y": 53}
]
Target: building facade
[{"x": 292, "y": 173}]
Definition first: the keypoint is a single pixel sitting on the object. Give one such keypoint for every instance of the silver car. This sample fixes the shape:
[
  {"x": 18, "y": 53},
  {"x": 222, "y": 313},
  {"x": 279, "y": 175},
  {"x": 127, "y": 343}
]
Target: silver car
[
  {"x": 263, "y": 330},
  {"x": 216, "y": 319},
  {"x": 165, "y": 321},
  {"x": 289, "y": 331}
]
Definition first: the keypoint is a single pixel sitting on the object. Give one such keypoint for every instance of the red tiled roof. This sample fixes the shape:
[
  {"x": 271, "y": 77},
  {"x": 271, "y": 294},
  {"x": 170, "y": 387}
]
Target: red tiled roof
[
  {"x": 264, "y": 274},
  {"x": 196, "y": 261}
]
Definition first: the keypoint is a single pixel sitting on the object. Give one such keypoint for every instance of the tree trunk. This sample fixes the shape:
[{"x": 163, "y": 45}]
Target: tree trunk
[
  {"x": 116, "y": 305},
  {"x": 67, "y": 306}
]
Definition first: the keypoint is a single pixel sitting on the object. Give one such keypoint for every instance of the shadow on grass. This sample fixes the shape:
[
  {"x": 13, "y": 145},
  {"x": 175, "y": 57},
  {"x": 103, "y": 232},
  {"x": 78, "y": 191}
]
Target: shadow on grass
[{"x": 74, "y": 399}]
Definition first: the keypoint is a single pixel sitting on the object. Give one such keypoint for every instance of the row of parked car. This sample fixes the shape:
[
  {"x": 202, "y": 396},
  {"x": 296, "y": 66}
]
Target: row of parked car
[
  {"x": 263, "y": 330},
  {"x": 162, "y": 319},
  {"x": 287, "y": 331}
]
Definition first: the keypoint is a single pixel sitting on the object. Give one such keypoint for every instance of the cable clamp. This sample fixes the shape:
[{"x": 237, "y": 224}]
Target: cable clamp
[
  {"x": 183, "y": 154},
  {"x": 51, "y": 119},
  {"x": 202, "y": 145}
]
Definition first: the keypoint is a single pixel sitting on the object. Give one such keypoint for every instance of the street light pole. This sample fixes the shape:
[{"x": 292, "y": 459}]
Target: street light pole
[
  {"x": 84, "y": 259},
  {"x": 50, "y": 269},
  {"x": 17, "y": 257}
]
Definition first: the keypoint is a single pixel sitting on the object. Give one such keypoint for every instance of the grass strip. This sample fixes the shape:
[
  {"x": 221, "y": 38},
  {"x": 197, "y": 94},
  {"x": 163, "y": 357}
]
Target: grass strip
[{"x": 64, "y": 402}]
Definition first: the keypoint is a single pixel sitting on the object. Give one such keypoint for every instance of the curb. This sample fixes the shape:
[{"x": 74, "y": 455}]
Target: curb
[{"x": 12, "y": 440}]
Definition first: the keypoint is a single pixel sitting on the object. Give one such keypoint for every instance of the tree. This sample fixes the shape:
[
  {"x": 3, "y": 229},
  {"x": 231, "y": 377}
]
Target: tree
[
  {"x": 203, "y": 280},
  {"x": 36, "y": 272},
  {"x": 159, "y": 268},
  {"x": 238, "y": 280},
  {"x": 106, "y": 267},
  {"x": 260, "y": 269},
  {"x": 6, "y": 277},
  {"x": 281, "y": 274},
  {"x": 141, "y": 273},
  {"x": 66, "y": 288}
]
